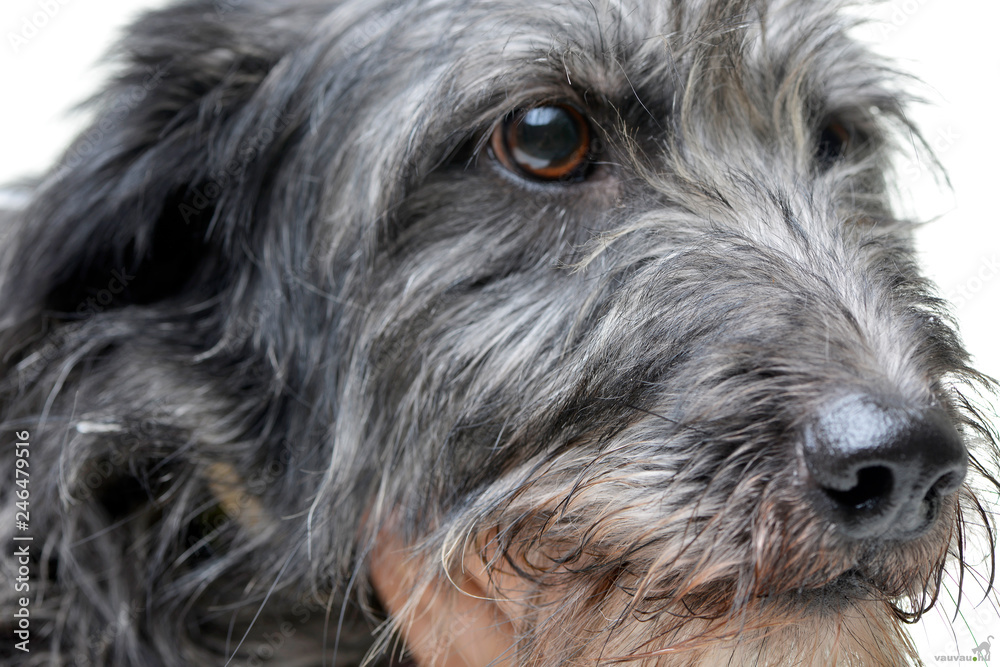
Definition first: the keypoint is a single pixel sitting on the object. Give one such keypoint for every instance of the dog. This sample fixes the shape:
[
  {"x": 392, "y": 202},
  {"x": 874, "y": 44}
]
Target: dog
[{"x": 481, "y": 333}]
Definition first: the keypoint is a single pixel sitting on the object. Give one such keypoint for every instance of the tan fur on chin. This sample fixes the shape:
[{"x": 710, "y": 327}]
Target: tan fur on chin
[{"x": 482, "y": 615}]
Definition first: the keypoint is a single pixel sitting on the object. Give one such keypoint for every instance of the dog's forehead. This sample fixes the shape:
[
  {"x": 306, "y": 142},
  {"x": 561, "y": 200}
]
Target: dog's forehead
[{"x": 513, "y": 52}]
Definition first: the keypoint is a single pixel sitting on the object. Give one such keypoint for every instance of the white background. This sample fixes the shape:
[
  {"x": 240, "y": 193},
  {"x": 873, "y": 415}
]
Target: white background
[{"x": 951, "y": 45}]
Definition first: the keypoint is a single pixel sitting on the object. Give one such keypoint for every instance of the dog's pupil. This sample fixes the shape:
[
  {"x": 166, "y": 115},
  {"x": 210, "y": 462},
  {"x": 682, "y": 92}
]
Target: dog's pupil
[
  {"x": 833, "y": 143},
  {"x": 546, "y": 137}
]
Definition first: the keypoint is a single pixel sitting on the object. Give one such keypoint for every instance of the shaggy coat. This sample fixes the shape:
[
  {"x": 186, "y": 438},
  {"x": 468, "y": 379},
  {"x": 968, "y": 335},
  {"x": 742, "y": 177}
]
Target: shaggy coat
[{"x": 280, "y": 311}]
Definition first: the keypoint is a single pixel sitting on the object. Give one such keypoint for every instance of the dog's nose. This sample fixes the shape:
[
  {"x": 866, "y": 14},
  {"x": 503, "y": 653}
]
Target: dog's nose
[{"x": 882, "y": 471}]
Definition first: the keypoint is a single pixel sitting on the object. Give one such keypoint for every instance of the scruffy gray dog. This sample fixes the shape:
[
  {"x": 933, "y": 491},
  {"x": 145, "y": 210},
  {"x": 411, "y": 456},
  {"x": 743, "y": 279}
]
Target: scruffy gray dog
[{"x": 488, "y": 332}]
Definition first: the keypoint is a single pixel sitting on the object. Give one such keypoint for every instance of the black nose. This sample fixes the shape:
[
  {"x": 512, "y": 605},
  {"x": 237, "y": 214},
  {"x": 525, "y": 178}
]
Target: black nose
[{"x": 882, "y": 471}]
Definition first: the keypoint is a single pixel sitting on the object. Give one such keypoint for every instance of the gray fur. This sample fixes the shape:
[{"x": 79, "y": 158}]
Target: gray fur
[{"x": 340, "y": 304}]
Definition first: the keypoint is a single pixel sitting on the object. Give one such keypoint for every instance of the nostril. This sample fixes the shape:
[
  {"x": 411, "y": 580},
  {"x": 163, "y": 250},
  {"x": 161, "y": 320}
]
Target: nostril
[
  {"x": 874, "y": 485},
  {"x": 947, "y": 483},
  {"x": 880, "y": 469},
  {"x": 930, "y": 506}
]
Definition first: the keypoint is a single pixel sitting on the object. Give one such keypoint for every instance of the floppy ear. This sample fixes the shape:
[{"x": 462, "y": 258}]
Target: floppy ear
[{"x": 135, "y": 202}]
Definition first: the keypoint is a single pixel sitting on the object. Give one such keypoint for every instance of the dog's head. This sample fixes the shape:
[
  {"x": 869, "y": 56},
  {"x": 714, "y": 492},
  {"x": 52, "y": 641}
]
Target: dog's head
[{"x": 563, "y": 331}]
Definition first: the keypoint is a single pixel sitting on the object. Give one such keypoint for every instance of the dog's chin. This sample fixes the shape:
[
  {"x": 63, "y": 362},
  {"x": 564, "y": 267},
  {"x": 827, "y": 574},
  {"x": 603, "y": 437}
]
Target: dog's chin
[
  {"x": 811, "y": 591},
  {"x": 480, "y": 615},
  {"x": 453, "y": 627},
  {"x": 847, "y": 591}
]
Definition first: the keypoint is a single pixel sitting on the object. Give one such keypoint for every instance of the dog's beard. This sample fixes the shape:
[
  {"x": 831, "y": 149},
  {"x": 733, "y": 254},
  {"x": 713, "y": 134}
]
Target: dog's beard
[{"x": 593, "y": 571}]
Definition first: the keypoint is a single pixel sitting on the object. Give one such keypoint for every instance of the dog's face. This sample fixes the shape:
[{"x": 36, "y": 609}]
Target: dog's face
[{"x": 570, "y": 332}]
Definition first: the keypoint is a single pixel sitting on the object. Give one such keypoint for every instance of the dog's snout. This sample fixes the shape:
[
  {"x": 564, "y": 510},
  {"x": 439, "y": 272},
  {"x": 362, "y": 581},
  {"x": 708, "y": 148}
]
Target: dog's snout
[{"x": 882, "y": 471}]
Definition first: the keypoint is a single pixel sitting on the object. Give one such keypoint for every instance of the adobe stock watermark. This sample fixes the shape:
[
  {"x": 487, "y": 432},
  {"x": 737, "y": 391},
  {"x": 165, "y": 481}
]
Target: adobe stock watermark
[
  {"x": 100, "y": 641},
  {"x": 223, "y": 7},
  {"x": 21, "y": 485},
  {"x": 900, "y": 13},
  {"x": 34, "y": 23},
  {"x": 207, "y": 194},
  {"x": 362, "y": 34},
  {"x": 965, "y": 293},
  {"x": 245, "y": 327},
  {"x": 940, "y": 141},
  {"x": 90, "y": 142},
  {"x": 93, "y": 305}
]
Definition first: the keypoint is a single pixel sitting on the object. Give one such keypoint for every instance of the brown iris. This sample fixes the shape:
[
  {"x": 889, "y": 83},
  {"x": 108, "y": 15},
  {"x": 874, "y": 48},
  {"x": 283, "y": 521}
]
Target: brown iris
[{"x": 547, "y": 143}]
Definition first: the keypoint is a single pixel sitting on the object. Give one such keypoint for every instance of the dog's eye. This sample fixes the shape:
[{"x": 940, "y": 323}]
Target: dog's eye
[
  {"x": 834, "y": 140},
  {"x": 548, "y": 143}
]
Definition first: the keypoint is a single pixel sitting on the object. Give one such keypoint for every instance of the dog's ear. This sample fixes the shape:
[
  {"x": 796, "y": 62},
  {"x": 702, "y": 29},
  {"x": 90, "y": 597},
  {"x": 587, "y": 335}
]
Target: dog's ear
[{"x": 134, "y": 204}]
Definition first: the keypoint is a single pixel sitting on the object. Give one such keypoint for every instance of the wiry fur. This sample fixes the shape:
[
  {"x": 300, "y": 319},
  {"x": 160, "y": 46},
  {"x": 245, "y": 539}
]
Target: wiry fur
[{"x": 342, "y": 319}]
